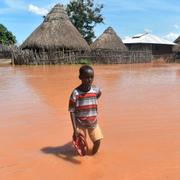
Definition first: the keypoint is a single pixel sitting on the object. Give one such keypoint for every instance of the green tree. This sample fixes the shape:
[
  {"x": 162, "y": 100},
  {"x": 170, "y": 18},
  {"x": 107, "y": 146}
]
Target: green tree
[
  {"x": 84, "y": 15},
  {"x": 6, "y": 37}
]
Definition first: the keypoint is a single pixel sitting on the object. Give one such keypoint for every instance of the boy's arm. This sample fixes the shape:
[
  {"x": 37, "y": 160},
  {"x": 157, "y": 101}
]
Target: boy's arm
[
  {"x": 99, "y": 94},
  {"x": 72, "y": 115}
]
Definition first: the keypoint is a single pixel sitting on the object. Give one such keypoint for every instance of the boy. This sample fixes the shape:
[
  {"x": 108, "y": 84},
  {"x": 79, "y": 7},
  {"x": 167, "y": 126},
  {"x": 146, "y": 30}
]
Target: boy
[{"x": 83, "y": 107}]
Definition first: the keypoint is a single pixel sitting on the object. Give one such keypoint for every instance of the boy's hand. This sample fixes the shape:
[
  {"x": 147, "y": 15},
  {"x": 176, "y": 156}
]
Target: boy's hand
[{"x": 75, "y": 134}]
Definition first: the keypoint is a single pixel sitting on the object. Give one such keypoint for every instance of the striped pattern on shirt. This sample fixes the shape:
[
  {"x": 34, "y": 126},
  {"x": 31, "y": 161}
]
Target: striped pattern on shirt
[{"x": 84, "y": 105}]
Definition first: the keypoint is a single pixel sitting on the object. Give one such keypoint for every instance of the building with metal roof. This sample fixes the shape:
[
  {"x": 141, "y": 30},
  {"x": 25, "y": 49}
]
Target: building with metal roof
[{"x": 148, "y": 42}]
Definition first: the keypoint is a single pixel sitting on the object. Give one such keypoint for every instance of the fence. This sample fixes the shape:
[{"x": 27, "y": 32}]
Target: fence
[
  {"x": 121, "y": 57},
  {"x": 167, "y": 58},
  {"x": 71, "y": 57},
  {"x": 5, "y": 51}
]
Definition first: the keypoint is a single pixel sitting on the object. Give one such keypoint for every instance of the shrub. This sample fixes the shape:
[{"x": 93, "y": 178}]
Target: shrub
[{"x": 84, "y": 61}]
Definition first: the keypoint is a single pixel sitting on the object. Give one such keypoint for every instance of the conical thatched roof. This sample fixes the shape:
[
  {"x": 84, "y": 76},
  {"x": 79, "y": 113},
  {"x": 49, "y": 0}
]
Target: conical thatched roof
[
  {"x": 176, "y": 48},
  {"x": 177, "y": 40},
  {"x": 109, "y": 40},
  {"x": 56, "y": 32}
]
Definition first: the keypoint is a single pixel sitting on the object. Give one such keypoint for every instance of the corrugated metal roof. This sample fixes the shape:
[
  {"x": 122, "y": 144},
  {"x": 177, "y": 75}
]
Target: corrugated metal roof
[{"x": 146, "y": 38}]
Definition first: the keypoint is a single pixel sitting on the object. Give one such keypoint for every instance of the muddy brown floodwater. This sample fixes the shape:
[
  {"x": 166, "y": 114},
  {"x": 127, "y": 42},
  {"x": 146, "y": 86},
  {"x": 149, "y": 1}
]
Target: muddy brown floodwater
[{"x": 139, "y": 113}]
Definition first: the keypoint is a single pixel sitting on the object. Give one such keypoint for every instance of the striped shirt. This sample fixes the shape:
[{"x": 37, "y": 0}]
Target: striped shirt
[{"x": 84, "y": 105}]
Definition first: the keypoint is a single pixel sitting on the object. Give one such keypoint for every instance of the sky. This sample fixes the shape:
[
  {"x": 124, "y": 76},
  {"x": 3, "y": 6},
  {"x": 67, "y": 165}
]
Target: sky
[{"x": 126, "y": 17}]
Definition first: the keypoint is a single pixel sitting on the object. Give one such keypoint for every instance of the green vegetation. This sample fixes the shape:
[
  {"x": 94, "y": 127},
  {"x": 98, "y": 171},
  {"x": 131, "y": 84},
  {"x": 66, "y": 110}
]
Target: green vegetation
[
  {"x": 6, "y": 37},
  {"x": 84, "y": 15},
  {"x": 84, "y": 61}
]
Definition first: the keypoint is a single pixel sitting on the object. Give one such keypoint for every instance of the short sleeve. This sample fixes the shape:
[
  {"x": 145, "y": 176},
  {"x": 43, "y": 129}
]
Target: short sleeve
[
  {"x": 72, "y": 102},
  {"x": 98, "y": 91}
]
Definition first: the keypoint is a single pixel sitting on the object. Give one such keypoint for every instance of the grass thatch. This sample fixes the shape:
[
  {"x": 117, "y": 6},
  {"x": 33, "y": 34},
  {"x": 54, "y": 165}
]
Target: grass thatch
[
  {"x": 177, "y": 40},
  {"x": 56, "y": 32},
  {"x": 109, "y": 40},
  {"x": 176, "y": 48}
]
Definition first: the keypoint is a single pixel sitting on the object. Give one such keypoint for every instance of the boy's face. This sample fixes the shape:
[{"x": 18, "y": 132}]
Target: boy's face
[{"x": 87, "y": 77}]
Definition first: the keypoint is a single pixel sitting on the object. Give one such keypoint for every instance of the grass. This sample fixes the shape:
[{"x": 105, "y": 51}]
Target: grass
[{"x": 84, "y": 61}]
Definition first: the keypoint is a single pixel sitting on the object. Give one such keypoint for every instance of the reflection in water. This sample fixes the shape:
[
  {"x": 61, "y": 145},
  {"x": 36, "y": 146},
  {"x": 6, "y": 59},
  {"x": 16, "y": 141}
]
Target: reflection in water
[
  {"x": 178, "y": 73},
  {"x": 138, "y": 112}
]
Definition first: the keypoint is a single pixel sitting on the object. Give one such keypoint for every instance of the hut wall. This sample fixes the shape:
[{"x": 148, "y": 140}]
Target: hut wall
[
  {"x": 176, "y": 52},
  {"x": 157, "y": 50},
  {"x": 161, "y": 49},
  {"x": 139, "y": 47},
  {"x": 43, "y": 56},
  {"x": 177, "y": 57},
  {"x": 5, "y": 51}
]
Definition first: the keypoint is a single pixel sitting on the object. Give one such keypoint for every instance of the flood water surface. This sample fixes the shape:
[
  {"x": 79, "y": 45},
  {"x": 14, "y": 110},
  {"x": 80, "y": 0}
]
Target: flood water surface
[{"x": 138, "y": 113}]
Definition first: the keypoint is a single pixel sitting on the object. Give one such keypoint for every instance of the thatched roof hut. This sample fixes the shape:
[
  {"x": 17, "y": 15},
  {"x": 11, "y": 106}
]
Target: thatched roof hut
[
  {"x": 177, "y": 40},
  {"x": 5, "y": 51},
  {"x": 56, "y": 32},
  {"x": 109, "y": 40},
  {"x": 176, "y": 48}
]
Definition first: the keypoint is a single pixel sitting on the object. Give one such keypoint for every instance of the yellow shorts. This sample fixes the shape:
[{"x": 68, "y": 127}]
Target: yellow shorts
[{"x": 94, "y": 133}]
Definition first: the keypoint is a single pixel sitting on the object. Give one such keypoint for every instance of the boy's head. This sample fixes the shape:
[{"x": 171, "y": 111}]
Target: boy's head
[{"x": 86, "y": 75}]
